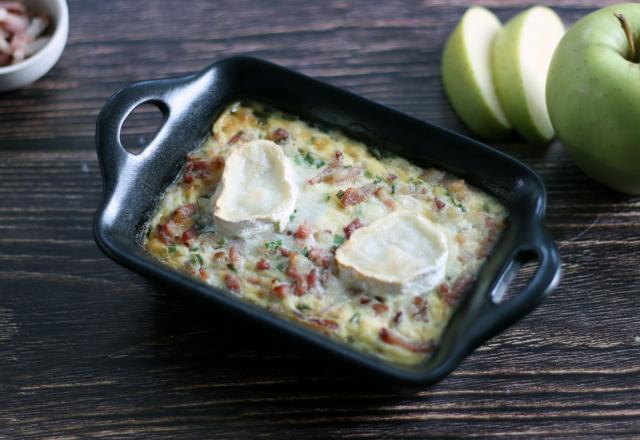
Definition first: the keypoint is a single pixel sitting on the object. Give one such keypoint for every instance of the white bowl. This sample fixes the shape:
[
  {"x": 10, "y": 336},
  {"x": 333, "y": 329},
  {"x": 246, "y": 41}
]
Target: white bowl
[{"x": 33, "y": 68}]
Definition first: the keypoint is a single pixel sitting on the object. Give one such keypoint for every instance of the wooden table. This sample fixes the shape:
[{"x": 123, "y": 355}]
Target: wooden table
[{"x": 88, "y": 348}]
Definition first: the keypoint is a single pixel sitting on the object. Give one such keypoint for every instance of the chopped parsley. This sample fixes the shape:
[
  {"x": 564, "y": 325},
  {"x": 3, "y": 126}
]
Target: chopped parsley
[
  {"x": 368, "y": 174},
  {"x": 305, "y": 252},
  {"x": 232, "y": 268},
  {"x": 339, "y": 194},
  {"x": 320, "y": 163},
  {"x": 302, "y": 307},
  {"x": 282, "y": 266},
  {"x": 196, "y": 259},
  {"x": 221, "y": 241},
  {"x": 393, "y": 188},
  {"x": 172, "y": 248},
  {"x": 355, "y": 318},
  {"x": 378, "y": 179},
  {"x": 273, "y": 246},
  {"x": 338, "y": 240},
  {"x": 327, "y": 197},
  {"x": 293, "y": 215}
]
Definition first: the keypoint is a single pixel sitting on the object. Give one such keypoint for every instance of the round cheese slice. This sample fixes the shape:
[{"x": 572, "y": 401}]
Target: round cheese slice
[
  {"x": 402, "y": 253},
  {"x": 257, "y": 190}
]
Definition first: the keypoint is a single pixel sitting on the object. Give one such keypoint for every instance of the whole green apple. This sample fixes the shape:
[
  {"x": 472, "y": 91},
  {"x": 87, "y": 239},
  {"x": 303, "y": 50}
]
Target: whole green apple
[{"x": 593, "y": 96}]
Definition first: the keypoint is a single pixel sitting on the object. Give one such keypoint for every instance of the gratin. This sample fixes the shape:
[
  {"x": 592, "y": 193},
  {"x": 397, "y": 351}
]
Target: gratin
[{"x": 319, "y": 228}]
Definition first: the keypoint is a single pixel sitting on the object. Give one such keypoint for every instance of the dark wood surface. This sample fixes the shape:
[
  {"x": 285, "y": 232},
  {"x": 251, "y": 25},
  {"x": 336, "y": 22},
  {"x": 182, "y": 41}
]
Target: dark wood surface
[{"x": 88, "y": 348}]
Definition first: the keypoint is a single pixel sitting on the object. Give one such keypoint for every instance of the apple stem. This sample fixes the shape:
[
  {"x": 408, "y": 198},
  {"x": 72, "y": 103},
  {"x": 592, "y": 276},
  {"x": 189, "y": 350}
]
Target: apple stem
[{"x": 627, "y": 32}]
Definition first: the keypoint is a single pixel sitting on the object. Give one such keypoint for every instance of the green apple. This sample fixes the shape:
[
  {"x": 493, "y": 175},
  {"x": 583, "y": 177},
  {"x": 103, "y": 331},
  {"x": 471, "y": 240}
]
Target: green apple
[
  {"x": 520, "y": 61},
  {"x": 593, "y": 95},
  {"x": 466, "y": 74}
]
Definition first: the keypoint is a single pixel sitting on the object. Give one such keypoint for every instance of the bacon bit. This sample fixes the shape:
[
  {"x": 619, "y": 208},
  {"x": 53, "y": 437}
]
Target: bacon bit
[
  {"x": 418, "y": 301},
  {"x": 380, "y": 308},
  {"x": 256, "y": 281},
  {"x": 392, "y": 339},
  {"x": 384, "y": 197},
  {"x": 218, "y": 256},
  {"x": 184, "y": 212},
  {"x": 281, "y": 291},
  {"x": 312, "y": 277},
  {"x": 263, "y": 264},
  {"x": 365, "y": 300},
  {"x": 209, "y": 171},
  {"x": 284, "y": 251},
  {"x": 189, "y": 235},
  {"x": 321, "y": 323},
  {"x": 351, "y": 227},
  {"x": 320, "y": 257},
  {"x": 353, "y": 196},
  {"x": 303, "y": 232},
  {"x": 203, "y": 273},
  {"x": 239, "y": 136},
  {"x": 300, "y": 285},
  {"x": 452, "y": 295},
  {"x": 439, "y": 204},
  {"x": 397, "y": 318},
  {"x": 336, "y": 173},
  {"x": 421, "y": 313},
  {"x": 234, "y": 257},
  {"x": 165, "y": 233},
  {"x": 232, "y": 281},
  {"x": 279, "y": 136},
  {"x": 391, "y": 177},
  {"x": 20, "y": 32}
]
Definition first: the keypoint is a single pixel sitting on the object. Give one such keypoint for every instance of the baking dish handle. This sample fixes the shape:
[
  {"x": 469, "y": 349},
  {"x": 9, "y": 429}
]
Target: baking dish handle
[
  {"x": 495, "y": 315},
  {"x": 112, "y": 155}
]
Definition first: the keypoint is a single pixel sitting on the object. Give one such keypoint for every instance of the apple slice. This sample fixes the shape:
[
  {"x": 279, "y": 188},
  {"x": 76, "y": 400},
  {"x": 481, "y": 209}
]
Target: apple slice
[
  {"x": 520, "y": 63},
  {"x": 466, "y": 74}
]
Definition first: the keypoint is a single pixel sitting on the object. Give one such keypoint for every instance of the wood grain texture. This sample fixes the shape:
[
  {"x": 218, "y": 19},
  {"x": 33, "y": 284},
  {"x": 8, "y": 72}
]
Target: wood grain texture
[{"x": 88, "y": 348}]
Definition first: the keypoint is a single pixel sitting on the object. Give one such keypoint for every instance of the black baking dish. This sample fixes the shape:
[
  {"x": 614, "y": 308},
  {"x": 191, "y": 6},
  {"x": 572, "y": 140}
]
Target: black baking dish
[{"x": 133, "y": 184}]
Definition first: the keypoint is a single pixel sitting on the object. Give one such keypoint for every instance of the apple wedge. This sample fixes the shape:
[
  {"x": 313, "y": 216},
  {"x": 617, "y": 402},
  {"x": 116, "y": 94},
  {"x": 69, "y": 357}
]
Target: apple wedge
[
  {"x": 520, "y": 62},
  {"x": 466, "y": 74}
]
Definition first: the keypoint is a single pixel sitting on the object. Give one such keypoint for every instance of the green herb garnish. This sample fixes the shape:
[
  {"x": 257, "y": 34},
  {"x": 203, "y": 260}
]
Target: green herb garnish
[
  {"x": 340, "y": 194},
  {"x": 293, "y": 215},
  {"x": 320, "y": 163},
  {"x": 172, "y": 248},
  {"x": 338, "y": 240},
  {"x": 393, "y": 188},
  {"x": 273, "y": 246},
  {"x": 196, "y": 259}
]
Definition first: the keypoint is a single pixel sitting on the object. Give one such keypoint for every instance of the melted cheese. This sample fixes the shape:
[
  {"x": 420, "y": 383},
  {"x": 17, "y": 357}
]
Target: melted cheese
[
  {"x": 257, "y": 191},
  {"x": 401, "y": 253}
]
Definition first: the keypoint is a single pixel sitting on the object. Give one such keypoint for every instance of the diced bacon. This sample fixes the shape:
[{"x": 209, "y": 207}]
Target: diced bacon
[
  {"x": 208, "y": 171},
  {"x": 383, "y": 196},
  {"x": 234, "y": 257},
  {"x": 296, "y": 270},
  {"x": 397, "y": 318},
  {"x": 303, "y": 232},
  {"x": 240, "y": 136},
  {"x": 312, "y": 277},
  {"x": 353, "y": 196},
  {"x": 232, "y": 281},
  {"x": 279, "y": 136},
  {"x": 320, "y": 257},
  {"x": 391, "y": 177},
  {"x": 281, "y": 291},
  {"x": 184, "y": 212},
  {"x": 323, "y": 324},
  {"x": 165, "y": 232},
  {"x": 380, "y": 308},
  {"x": 451, "y": 295},
  {"x": 14, "y": 7},
  {"x": 203, "y": 273},
  {"x": 189, "y": 235},
  {"x": 284, "y": 251},
  {"x": 421, "y": 311},
  {"x": 439, "y": 204},
  {"x": 336, "y": 172},
  {"x": 351, "y": 227},
  {"x": 393, "y": 339},
  {"x": 364, "y": 300},
  {"x": 218, "y": 256},
  {"x": 263, "y": 264}
]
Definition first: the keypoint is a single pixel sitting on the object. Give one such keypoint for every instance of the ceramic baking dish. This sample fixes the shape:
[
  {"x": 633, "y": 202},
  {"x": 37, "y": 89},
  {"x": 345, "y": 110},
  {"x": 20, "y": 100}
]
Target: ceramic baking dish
[{"x": 133, "y": 184}]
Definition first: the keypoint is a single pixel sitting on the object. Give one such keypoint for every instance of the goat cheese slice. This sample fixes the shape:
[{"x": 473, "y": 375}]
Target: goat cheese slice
[
  {"x": 257, "y": 191},
  {"x": 401, "y": 253}
]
